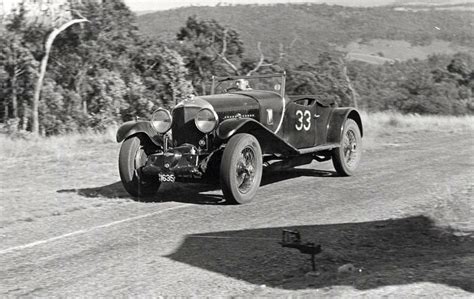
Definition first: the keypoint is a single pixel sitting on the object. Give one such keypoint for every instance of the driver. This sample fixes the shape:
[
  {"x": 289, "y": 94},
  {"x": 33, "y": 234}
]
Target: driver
[{"x": 242, "y": 84}]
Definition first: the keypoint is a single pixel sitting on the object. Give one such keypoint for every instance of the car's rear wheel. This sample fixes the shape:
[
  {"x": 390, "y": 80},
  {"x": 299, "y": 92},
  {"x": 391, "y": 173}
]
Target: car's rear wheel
[
  {"x": 241, "y": 169},
  {"x": 132, "y": 158},
  {"x": 346, "y": 157}
]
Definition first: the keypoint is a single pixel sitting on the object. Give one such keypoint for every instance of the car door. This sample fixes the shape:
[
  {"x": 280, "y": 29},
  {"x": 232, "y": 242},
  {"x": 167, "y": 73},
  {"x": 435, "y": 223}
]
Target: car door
[
  {"x": 299, "y": 128},
  {"x": 321, "y": 126}
]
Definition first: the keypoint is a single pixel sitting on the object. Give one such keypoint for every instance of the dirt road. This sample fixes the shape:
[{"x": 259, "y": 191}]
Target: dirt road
[{"x": 74, "y": 231}]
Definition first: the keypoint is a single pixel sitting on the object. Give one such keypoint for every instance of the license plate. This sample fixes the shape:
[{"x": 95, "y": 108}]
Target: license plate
[{"x": 166, "y": 178}]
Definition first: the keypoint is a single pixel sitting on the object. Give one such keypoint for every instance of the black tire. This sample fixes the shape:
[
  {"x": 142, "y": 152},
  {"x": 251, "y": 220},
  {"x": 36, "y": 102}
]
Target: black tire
[
  {"x": 131, "y": 158},
  {"x": 346, "y": 157},
  {"x": 241, "y": 169}
]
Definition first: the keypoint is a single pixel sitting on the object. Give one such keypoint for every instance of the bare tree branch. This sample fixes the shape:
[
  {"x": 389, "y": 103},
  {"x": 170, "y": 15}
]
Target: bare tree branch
[
  {"x": 19, "y": 72},
  {"x": 78, "y": 13},
  {"x": 281, "y": 54},
  {"x": 260, "y": 62},
  {"x": 222, "y": 53}
]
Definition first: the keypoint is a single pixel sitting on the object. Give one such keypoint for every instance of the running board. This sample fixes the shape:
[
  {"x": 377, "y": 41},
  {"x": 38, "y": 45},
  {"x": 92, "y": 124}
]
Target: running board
[{"x": 318, "y": 148}]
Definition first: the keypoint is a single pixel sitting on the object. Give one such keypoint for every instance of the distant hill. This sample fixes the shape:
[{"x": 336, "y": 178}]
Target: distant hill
[
  {"x": 430, "y": 2},
  {"x": 311, "y": 28}
]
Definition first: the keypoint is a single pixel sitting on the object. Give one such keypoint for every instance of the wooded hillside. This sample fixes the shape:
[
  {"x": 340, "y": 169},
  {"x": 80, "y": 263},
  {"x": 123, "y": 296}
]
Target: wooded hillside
[{"x": 304, "y": 29}]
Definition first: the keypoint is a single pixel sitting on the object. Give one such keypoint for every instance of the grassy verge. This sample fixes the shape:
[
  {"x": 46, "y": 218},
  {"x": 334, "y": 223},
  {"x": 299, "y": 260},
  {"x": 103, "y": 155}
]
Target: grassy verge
[
  {"x": 376, "y": 125},
  {"x": 56, "y": 146},
  {"x": 393, "y": 129},
  {"x": 388, "y": 121}
]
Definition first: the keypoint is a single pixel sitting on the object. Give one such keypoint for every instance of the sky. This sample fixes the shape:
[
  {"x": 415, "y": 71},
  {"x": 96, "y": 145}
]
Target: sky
[{"x": 144, "y": 5}]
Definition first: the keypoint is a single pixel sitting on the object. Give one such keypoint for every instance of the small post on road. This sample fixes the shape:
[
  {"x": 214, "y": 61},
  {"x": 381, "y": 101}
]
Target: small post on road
[{"x": 292, "y": 239}]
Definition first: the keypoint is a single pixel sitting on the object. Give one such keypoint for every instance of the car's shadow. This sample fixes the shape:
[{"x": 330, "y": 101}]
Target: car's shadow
[
  {"x": 194, "y": 191},
  {"x": 384, "y": 253}
]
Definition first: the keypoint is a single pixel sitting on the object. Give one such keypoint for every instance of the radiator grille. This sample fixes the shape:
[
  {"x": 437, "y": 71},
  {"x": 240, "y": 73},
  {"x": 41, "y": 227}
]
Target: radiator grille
[{"x": 183, "y": 128}]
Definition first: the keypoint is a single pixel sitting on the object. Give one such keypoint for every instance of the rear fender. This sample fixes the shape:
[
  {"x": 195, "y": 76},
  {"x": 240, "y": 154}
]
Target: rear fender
[
  {"x": 337, "y": 120},
  {"x": 132, "y": 128},
  {"x": 269, "y": 142}
]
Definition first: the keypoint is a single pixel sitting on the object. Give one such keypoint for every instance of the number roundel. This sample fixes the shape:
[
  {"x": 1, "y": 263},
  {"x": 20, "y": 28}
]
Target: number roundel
[{"x": 303, "y": 120}]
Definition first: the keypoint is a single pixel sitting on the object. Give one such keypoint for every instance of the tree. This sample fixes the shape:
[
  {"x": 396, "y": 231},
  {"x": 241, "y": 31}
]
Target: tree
[
  {"x": 43, "y": 66},
  {"x": 95, "y": 73},
  {"x": 17, "y": 63},
  {"x": 327, "y": 78},
  {"x": 163, "y": 73},
  {"x": 19, "y": 67},
  {"x": 202, "y": 43},
  {"x": 151, "y": 74}
]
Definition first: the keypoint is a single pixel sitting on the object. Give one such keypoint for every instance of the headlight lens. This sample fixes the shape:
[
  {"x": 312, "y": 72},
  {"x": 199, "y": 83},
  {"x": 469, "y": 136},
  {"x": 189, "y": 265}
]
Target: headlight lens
[
  {"x": 206, "y": 120},
  {"x": 161, "y": 120}
]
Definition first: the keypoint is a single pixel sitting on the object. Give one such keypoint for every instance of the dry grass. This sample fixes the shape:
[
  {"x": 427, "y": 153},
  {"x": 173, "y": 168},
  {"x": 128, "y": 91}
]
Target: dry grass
[
  {"x": 389, "y": 121},
  {"x": 376, "y": 126},
  {"x": 56, "y": 146},
  {"x": 380, "y": 125}
]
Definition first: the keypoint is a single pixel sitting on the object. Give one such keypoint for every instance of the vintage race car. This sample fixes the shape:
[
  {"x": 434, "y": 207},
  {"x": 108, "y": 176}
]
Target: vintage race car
[{"x": 247, "y": 122}]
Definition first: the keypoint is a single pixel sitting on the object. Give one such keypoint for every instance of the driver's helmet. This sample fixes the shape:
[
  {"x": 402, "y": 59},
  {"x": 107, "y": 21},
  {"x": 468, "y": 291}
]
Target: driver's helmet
[{"x": 242, "y": 84}]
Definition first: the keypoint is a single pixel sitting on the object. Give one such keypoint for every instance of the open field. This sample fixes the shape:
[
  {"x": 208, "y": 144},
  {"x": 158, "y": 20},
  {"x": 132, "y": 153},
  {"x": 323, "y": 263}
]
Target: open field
[
  {"x": 406, "y": 222},
  {"x": 400, "y": 50}
]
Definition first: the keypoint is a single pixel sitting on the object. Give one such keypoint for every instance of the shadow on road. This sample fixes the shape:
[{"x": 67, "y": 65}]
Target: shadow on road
[
  {"x": 179, "y": 192},
  {"x": 390, "y": 252},
  {"x": 193, "y": 191}
]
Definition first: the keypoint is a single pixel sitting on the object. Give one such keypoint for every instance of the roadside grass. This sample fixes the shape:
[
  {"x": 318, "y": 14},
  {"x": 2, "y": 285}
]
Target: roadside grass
[
  {"x": 380, "y": 124},
  {"x": 386, "y": 122},
  {"x": 53, "y": 146}
]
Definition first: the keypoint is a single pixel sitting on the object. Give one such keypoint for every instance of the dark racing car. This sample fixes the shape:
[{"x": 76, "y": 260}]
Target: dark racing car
[{"x": 246, "y": 122}]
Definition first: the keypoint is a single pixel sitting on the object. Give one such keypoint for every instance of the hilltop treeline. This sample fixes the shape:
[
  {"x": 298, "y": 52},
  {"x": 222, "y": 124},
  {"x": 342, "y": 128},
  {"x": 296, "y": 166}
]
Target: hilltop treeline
[{"x": 105, "y": 72}]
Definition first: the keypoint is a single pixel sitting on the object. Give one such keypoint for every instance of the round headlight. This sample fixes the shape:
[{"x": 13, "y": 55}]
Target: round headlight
[
  {"x": 206, "y": 120},
  {"x": 161, "y": 120}
]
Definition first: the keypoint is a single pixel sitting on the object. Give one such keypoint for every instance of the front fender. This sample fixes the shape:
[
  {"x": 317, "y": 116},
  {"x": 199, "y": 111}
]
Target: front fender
[
  {"x": 269, "y": 142},
  {"x": 131, "y": 128},
  {"x": 336, "y": 123}
]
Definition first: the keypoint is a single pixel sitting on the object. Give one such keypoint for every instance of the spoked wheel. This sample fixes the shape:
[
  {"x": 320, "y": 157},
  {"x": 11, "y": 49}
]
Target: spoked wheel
[
  {"x": 346, "y": 158},
  {"x": 241, "y": 169},
  {"x": 132, "y": 158}
]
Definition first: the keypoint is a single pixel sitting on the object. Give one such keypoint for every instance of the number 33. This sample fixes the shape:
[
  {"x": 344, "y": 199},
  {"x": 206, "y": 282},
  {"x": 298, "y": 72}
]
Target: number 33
[{"x": 303, "y": 120}]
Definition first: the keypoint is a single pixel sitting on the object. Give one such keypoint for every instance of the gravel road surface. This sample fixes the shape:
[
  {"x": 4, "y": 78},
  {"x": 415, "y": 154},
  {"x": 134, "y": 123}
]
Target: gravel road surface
[{"x": 96, "y": 241}]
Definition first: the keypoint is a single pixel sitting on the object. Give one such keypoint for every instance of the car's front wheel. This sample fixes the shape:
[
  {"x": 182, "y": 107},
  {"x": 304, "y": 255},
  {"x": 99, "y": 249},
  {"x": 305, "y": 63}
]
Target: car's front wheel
[
  {"x": 241, "y": 169},
  {"x": 346, "y": 157},
  {"x": 131, "y": 159}
]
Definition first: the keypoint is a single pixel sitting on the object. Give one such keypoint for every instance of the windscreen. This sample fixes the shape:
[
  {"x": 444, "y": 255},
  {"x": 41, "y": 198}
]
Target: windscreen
[{"x": 235, "y": 84}]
